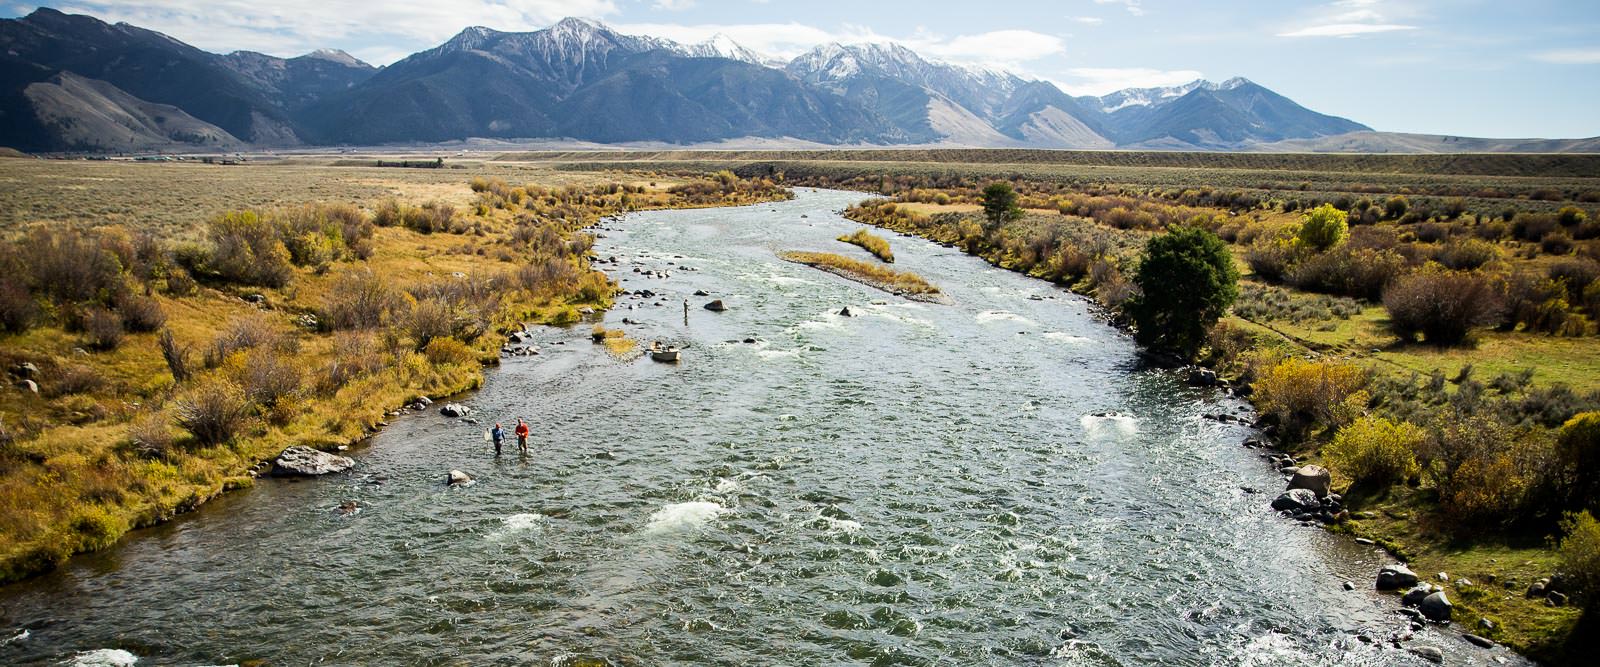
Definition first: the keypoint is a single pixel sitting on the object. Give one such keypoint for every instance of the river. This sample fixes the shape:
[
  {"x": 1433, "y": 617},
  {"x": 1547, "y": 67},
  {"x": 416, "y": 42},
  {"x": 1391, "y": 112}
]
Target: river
[{"x": 995, "y": 480}]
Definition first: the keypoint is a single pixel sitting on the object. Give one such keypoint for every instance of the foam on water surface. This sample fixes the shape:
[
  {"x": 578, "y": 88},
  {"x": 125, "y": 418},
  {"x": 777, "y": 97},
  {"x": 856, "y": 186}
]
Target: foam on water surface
[
  {"x": 1110, "y": 424},
  {"x": 1001, "y": 316},
  {"x": 1065, "y": 337},
  {"x": 104, "y": 657},
  {"x": 681, "y": 516},
  {"x": 518, "y": 524}
]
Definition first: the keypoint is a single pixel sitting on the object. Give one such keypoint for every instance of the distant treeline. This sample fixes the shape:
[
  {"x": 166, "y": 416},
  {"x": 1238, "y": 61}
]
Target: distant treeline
[{"x": 436, "y": 163}]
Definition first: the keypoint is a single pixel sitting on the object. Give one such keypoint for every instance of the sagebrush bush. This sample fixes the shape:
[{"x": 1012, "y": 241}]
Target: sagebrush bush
[
  {"x": 1465, "y": 254},
  {"x": 18, "y": 310},
  {"x": 150, "y": 437},
  {"x": 1444, "y": 306},
  {"x": 1270, "y": 258},
  {"x": 1486, "y": 471},
  {"x": 354, "y": 355},
  {"x": 104, "y": 328},
  {"x": 73, "y": 379},
  {"x": 180, "y": 362},
  {"x": 1304, "y": 394},
  {"x": 246, "y": 249},
  {"x": 213, "y": 412},
  {"x": 141, "y": 314},
  {"x": 1576, "y": 274},
  {"x": 1374, "y": 450},
  {"x": 447, "y": 351},
  {"x": 242, "y": 333},
  {"x": 429, "y": 319},
  {"x": 268, "y": 377},
  {"x": 1356, "y": 272},
  {"x": 359, "y": 299}
]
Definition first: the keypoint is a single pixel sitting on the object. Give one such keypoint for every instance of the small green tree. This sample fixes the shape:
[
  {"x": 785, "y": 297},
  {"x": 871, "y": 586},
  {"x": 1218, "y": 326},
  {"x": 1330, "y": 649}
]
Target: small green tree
[
  {"x": 1000, "y": 204},
  {"x": 1323, "y": 228},
  {"x": 1580, "y": 556},
  {"x": 1187, "y": 280},
  {"x": 1578, "y": 455}
]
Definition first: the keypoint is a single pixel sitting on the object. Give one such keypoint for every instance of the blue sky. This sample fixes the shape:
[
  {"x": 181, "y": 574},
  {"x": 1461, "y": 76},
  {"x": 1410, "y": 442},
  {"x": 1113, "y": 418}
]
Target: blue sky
[{"x": 1523, "y": 68}]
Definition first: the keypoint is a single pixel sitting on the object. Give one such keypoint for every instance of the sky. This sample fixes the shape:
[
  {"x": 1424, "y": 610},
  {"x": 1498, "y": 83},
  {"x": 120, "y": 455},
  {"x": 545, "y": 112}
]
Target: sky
[{"x": 1488, "y": 68}]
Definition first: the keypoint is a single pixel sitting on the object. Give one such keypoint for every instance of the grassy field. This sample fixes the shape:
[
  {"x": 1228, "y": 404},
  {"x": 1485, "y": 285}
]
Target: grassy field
[{"x": 384, "y": 285}]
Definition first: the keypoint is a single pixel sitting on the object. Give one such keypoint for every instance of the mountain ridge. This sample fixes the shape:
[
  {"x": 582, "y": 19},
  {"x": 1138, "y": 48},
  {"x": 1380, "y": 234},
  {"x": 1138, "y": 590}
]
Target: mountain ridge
[{"x": 579, "y": 80}]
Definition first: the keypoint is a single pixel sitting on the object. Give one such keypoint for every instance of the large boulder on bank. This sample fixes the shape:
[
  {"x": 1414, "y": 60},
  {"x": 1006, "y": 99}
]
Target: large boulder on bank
[
  {"x": 299, "y": 461},
  {"x": 1297, "y": 500},
  {"x": 1313, "y": 478},
  {"x": 716, "y": 306},
  {"x": 1396, "y": 577},
  {"x": 1436, "y": 607}
]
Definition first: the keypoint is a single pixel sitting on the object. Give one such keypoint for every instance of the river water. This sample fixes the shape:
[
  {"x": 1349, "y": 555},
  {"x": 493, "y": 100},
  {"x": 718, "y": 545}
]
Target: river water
[{"x": 994, "y": 480}]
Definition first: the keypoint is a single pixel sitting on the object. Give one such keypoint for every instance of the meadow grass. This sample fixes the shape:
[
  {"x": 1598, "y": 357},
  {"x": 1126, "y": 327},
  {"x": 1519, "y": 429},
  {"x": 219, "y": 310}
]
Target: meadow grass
[{"x": 877, "y": 245}]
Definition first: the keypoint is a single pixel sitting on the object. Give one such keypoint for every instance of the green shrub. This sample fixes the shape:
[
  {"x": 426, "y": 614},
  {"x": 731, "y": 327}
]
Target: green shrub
[
  {"x": 18, "y": 310},
  {"x": 1000, "y": 204},
  {"x": 1374, "y": 450},
  {"x": 1580, "y": 556},
  {"x": 1578, "y": 459},
  {"x": 1187, "y": 280},
  {"x": 1323, "y": 228},
  {"x": 1303, "y": 394}
]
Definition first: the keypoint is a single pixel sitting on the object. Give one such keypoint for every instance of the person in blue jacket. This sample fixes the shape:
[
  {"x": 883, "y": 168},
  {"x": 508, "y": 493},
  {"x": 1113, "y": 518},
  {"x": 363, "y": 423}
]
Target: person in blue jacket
[{"x": 498, "y": 435}]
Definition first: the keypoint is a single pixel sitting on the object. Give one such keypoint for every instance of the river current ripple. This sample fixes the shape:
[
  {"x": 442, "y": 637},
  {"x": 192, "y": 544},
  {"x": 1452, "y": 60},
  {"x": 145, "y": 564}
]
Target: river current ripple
[{"x": 994, "y": 480}]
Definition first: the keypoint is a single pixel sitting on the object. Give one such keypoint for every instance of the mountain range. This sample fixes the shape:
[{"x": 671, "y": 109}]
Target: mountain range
[{"x": 75, "y": 83}]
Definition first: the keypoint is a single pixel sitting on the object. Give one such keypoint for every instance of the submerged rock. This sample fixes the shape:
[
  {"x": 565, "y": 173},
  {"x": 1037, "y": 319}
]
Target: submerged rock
[
  {"x": 299, "y": 461},
  {"x": 716, "y": 306},
  {"x": 457, "y": 478},
  {"x": 1202, "y": 377},
  {"x": 1428, "y": 653}
]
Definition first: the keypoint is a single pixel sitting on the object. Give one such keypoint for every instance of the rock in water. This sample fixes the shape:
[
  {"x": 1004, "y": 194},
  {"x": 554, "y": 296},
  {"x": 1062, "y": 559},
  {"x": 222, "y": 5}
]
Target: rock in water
[
  {"x": 1314, "y": 478},
  {"x": 1202, "y": 377},
  {"x": 845, "y": 312},
  {"x": 1428, "y": 653},
  {"x": 453, "y": 410},
  {"x": 1395, "y": 577},
  {"x": 1295, "y": 500},
  {"x": 716, "y": 306},
  {"x": 1415, "y": 596},
  {"x": 300, "y": 461},
  {"x": 458, "y": 478},
  {"x": 1436, "y": 607},
  {"x": 1477, "y": 641}
]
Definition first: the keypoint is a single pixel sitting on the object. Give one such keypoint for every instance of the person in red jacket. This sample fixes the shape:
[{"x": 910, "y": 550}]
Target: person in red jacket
[{"x": 522, "y": 436}]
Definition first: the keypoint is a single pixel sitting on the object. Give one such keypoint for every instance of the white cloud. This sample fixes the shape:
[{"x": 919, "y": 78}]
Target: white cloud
[
  {"x": 1570, "y": 56},
  {"x": 1131, "y": 5},
  {"x": 673, "y": 5},
  {"x": 1349, "y": 18},
  {"x": 1103, "y": 80},
  {"x": 292, "y": 27},
  {"x": 1087, "y": 20},
  {"x": 1001, "y": 47},
  {"x": 1345, "y": 29}
]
